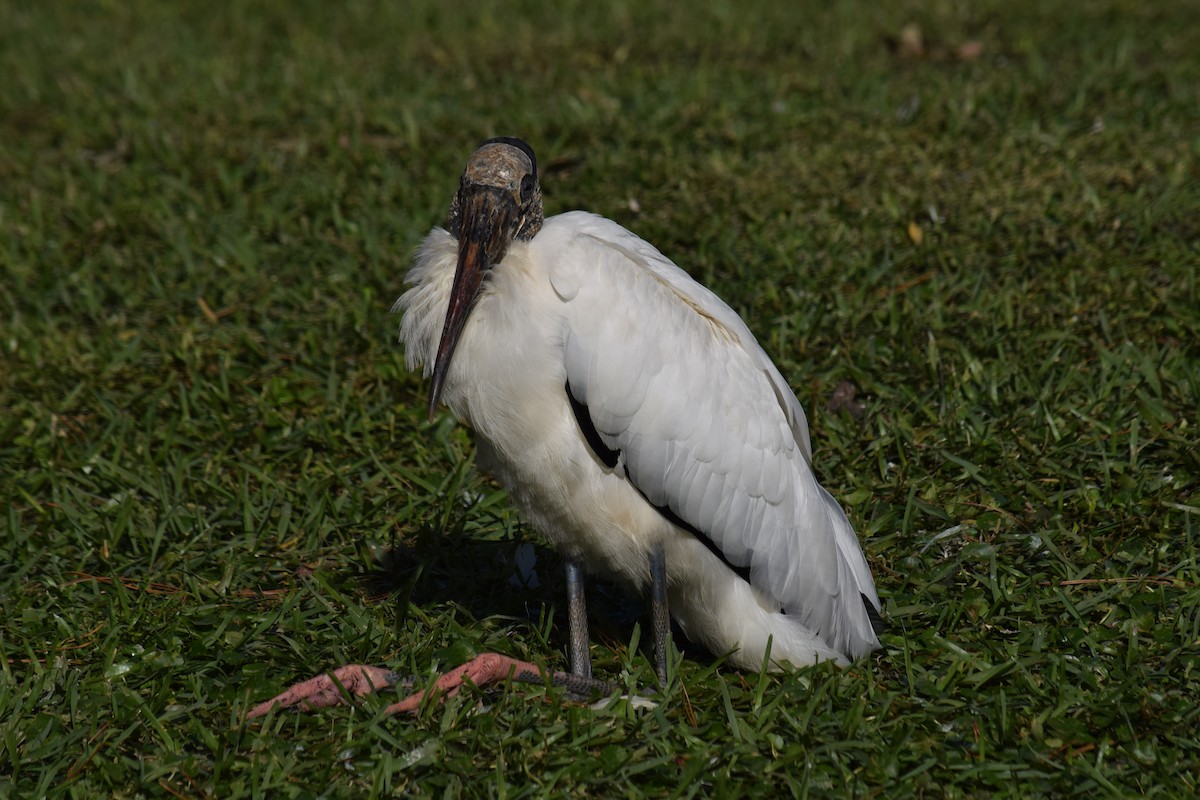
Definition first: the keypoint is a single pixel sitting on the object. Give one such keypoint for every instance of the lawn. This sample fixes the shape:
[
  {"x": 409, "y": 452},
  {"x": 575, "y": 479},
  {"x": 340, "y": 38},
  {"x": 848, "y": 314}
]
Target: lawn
[{"x": 217, "y": 477}]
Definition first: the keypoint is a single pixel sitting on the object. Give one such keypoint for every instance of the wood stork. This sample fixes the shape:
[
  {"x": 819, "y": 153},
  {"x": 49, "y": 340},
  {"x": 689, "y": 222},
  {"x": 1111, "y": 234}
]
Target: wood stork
[{"x": 638, "y": 426}]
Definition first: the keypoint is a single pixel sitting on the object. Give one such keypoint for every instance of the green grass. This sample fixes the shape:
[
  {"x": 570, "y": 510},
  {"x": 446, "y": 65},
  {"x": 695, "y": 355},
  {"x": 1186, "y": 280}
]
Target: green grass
[{"x": 216, "y": 476}]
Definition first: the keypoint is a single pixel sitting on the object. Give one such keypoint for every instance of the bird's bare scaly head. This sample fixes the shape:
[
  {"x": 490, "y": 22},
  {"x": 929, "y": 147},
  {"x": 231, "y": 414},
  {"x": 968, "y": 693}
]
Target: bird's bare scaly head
[
  {"x": 503, "y": 170},
  {"x": 498, "y": 200}
]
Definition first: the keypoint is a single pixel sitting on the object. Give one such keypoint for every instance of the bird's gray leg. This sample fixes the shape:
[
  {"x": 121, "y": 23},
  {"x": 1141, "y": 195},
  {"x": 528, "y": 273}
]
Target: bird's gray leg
[
  {"x": 577, "y": 624},
  {"x": 660, "y": 617}
]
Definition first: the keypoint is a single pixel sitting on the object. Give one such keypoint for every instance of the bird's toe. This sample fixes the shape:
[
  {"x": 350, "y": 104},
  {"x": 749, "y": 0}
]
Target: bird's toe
[{"x": 330, "y": 688}]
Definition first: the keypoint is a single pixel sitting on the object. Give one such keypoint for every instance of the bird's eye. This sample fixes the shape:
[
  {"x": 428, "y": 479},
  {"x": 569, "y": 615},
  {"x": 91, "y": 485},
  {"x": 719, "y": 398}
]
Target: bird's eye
[{"x": 527, "y": 187}]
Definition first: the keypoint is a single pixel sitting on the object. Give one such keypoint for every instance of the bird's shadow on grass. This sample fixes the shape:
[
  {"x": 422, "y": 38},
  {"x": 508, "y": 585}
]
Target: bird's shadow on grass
[{"x": 511, "y": 579}]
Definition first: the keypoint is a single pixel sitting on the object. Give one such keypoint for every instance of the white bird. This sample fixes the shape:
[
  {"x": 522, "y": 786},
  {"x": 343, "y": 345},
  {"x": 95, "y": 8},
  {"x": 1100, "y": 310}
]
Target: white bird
[{"x": 638, "y": 426}]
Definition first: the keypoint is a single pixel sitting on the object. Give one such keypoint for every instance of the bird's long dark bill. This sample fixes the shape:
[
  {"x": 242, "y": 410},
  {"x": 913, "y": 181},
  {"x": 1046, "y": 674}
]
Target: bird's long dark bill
[{"x": 487, "y": 216}]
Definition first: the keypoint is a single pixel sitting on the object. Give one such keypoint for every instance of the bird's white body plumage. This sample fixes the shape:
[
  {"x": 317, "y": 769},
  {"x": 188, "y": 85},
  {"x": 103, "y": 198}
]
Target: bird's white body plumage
[{"x": 706, "y": 429}]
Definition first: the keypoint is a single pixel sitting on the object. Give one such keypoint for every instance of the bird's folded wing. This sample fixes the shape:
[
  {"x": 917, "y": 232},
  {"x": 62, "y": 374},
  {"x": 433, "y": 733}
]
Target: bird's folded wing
[{"x": 705, "y": 427}]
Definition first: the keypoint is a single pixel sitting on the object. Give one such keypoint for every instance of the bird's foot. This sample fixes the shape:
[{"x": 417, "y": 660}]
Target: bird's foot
[
  {"x": 356, "y": 680},
  {"x": 483, "y": 670},
  {"x": 330, "y": 688}
]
